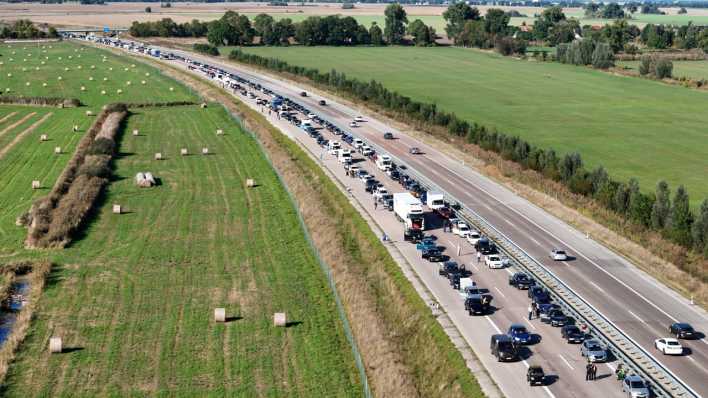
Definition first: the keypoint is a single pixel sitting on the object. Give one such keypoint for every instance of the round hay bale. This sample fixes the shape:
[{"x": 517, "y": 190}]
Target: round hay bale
[
  {"x": 205, "y": 151},
  {"x": 184, "y": 152},
  {"x": 116, "y": 209},
  {"x": 110, "y": 69},
  {"x": 89, "y": 113},
  {"x": 59, "y": 78},
  {"x": 132, "y": 65},
  {"x": 70, "y": 57},
  {"x": 203, "y": 105},
  {"x": 24, "y": 69},
  {"x": 57, "y": 150},
  {"x": 172, "y": 89},
  {"x": 90, "y": 78},
  {"x": 250, "y": 183},
  {"x": 9, "y": 75},
  {"x": 43, "y": 137},
  {"x": 59, "y": 58},
  {"x": 119, "y": 91},
  {"x": 44, "y": 84},
  {"x": 219, "y": 132},
  {"x": 7, "y": 90},
  {"x": 220, "y": 314},
  {"x": 36, "y": 184},
  {"x": 36, "y": 68},
  {"x": 78, "y": 67},
  {"x": 83, "y": 88},
  {"x": 2, "y": 63},
  {"x": 103, "y": 92},
  {"x": 147, "y": 74},
  {"x": 158, "y": 156},
  {"x": 93, "y": 66},
  {"x": 279, "y": 319},
  {"x": 55, "y": 346},
  {"x": 125, "y": 69},
  {"x": 42, "y": 63},
  {"x": 27, "y": 84},
  {"x": 66, "y": 69},
  {"x": 128, "y": 83},
  {"x": 142, "y": 82}
]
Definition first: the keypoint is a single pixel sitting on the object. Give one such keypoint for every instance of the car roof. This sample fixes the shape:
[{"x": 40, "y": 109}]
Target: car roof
[
  {"x": 633, "y": 378},
  {"x": 517, "y": 325},
  {"x": 682, "y": 325},
  {"x": 670, "y": 339}
]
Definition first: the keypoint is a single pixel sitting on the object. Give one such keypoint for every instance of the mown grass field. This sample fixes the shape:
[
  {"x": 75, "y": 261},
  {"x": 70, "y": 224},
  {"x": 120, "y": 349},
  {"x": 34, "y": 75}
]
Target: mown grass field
[
  {"x": 133, "y": 297},
  {"x": 137, "y": 294},
  {"x": 691, "y": 69},
  {"x": 634, "y": 127},
  {"x": 46, "y": 63}
]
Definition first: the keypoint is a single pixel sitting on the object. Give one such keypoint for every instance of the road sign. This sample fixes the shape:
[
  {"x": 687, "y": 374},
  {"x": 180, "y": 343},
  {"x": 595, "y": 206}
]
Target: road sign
[{"x": 106, "y": 29}]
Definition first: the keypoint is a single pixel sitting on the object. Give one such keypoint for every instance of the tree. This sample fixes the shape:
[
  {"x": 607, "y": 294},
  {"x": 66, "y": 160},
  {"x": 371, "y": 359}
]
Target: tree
[
  {"x": 570, "y": 165},
  {"x": 474, "y": 35},
  {"x": 456, "y": 16},
  {"x": 682, "y": 10},
  {"x": 396, "y": 19},
  {"x": 611, "y": 11},
  {"x": 217, "y": 33},
  {"x": 563, "y": 32},
  {"x": 602, "y": 57},
  {"x": 263, "y": 24},
  {"x": 662, "y": 206},
  {"x": 619, "y": 33},
  {"x": 496, "y": 21},
  {"x": 699, "y": 230},
  {"x": 680, "y": 218},
  {"x": 376, "y": 35},
  {"x": 423, "y": 35},
  {"x": 639, "y": 204},
  {"x": 547, "y": 21},
  {"x": 663, "y": 68}
]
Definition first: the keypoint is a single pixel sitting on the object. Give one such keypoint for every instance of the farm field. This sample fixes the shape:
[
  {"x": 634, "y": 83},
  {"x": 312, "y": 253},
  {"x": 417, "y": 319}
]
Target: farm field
[
  {"x": 47, "y": 63},
  {"x": 692, "y": 69},
  {"x": 633, "y": 127},
  {"x": 23, "y": 158},
  {"x": 136, "y": 296}
]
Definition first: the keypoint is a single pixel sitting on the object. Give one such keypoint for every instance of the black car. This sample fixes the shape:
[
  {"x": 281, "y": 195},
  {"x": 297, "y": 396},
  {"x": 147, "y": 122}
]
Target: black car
[
  {"x": 411, "y": 234},
  {"x": 572, "y": 334},
  {"x": 485, "y": 247},
  {"x": 539, "y": 295},
  {"x": 682, "y": 330},
  {"x": 303, "y": 94},
  {"x": 433, "y": 255},
  {"x": 447, "y": 268},
  {"x": 323, "y": 102},
  {"x": 545, "y": 311},
  {"x": 388, "y": 136},
  {"x": 521, "y": 281},
  {"x": 394, "y": 174},
  {"x": 557, "y": 318},
  {"x": 503, "y": 348},
  {"x": 478, "y": 303},
  {"x": 371, "y": 185},
  {"x": 535, "y": 375}
]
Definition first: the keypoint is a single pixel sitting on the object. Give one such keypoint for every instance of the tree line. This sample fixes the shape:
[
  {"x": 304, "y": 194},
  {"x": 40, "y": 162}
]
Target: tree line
[
  {"x": 26, "y": 29},
  {"x": 658, "y": 210},
  {"x": 332, "y": 30},
  {"x": 467, "y": 27}
]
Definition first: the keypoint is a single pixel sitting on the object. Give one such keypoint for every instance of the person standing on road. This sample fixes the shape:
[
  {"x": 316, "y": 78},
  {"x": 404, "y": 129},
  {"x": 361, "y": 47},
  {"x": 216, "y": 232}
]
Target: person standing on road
[
  {"x": 593, "y": 375},
  {"x": 376, "y": 204},
  {"x": 530, "y": 311},
  {"x": 479, "y": 257},
  {"x": 588, "y": 371}
]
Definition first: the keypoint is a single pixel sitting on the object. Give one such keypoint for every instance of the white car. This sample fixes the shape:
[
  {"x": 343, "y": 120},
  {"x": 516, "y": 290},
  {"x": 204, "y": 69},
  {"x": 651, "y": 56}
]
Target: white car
[
  {"x": 668, "y": 346},
  {"x": 473, "y": 237},
  {"x": 494, "y": 261},
  {"x": 311, "y": 116},
  {"x": 558, "y": 255},
  {"x": 357, "y": 143},
  {"x": 353, "y": 124},
  {"x": 359, "y": 119},
  {"x": 461, "y": 229}
]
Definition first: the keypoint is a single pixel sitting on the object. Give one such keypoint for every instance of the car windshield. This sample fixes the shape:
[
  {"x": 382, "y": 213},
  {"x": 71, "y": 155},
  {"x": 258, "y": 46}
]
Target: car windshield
[
  {"x": 560, "y": 252},
  {"x": 675, "y": 343},
  {"x": 594, "y": 348},
  {"x": 518, "y": 329},
  {"x": 636, "y": 384},
  {"x": 493, "y": 258}
]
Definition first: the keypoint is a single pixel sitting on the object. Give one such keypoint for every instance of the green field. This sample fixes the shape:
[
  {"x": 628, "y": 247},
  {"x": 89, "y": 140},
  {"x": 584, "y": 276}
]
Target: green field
[
  {"x": 634, "y": 127},
  {"x": 692, "y": 69},
  {"x": 20, "y": 63},
  {"x": 133, "y": 296}
]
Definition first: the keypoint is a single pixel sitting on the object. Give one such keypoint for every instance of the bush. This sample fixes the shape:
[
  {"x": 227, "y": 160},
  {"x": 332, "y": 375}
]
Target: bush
[
  {"x": 509, "y": 45},
  {"x": 96, "y": 166},
  {"x": 101, "y": 146},
  {"x": 663, "y": 68},
  {"x": 602, "y": 56},
  {"x": 207, "y": 49},
  {"x": 654, "y": 66}
]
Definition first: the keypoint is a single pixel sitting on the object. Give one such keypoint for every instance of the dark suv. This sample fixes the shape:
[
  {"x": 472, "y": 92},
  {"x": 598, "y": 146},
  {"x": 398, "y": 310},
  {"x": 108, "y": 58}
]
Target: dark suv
[
  {"x": 503, "y": 348},
  {"x": 572, "y": 334},
  {"x": 682, "y": 330},
  {"x": 521, "y": 281}
]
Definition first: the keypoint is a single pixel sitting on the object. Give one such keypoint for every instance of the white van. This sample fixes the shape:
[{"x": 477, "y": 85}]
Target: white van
[
  {"x": 383, "y": 162},
  {"x": 357, "y": 143},
  {"x": 345, "y": 156},
  {"x": 334, "y": 147}
]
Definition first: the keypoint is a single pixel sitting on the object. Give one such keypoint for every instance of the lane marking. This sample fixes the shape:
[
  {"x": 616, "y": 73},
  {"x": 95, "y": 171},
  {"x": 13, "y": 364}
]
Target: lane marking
[
  {"x": 596, "y": 286},
  {"x": 530, "y": 324},
  {"x": 500, "y": 292},
  {"x": 566, "y": 362},
  {"x": 535, "y": 241},
  {"x": 636, "y": 316},
  {"x": 612, "y": 367},
  {"x": 493, "y": 324}
]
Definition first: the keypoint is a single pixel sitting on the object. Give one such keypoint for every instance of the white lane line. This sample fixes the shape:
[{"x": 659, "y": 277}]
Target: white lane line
[
  {"x": 493, "y": 324},
  {"x": 530, "y": 324},
  {"x": 548, "y": 391},
  {"x": 596, "y": 286},
  {"x": 500, "y": 292},
  {"x": 534, "y": 241},
  {"x": 704, "y": 341},
  {"x": 561, "y": 241},
  {"x": 611, "y": 366},
  {"x": 692, "y": 360},
  {"x": 636, "y": 316},
  {"x": 566, "y": 362}
]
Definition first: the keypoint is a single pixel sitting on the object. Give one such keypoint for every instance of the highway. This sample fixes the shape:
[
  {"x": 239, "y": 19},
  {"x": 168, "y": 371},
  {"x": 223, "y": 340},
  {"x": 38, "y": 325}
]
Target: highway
[{"x": 635, "y": 302}]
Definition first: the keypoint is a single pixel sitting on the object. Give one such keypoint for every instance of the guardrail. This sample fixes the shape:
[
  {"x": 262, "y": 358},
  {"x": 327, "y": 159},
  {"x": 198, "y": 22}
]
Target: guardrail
[{"x": 664, "y": 383}]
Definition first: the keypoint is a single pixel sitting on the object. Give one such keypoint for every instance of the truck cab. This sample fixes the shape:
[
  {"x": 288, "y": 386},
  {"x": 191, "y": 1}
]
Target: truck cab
[
  {"x": 345, "y": 156},
  {"x": 383, "y": 162}
]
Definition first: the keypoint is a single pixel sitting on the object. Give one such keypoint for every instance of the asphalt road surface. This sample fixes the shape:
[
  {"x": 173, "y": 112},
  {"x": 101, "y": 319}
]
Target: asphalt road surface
[{"x": 635, "y": 302}]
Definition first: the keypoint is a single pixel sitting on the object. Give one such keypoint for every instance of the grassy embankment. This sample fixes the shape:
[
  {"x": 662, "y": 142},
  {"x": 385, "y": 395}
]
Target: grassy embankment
[
  {"x": 695, "y": 70},
  {"x": 635, "y": 128}
]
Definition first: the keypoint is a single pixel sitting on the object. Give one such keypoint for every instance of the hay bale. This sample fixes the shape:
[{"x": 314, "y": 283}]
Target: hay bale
[
  {"x": 43, "y": 137},
  {"x": 136, "y": 132},
  {"x": 150, "y": 178},
  {"x": 55, "y": 346},
  {"x": 128, "y": 83},
  {"x": 144, "y": 180},
  {"x": 83, "y": 88},
  {"x": 59, "y": 78},
  {"x": 9, "y": 75},
  {"x": 250, "y": 183},
  {"x": 66, "y": 69},
  {"x": 103, "y": 92},
  {"x": 93, "y": 66},
  {"x": 219, "y": 132},
  {"x": 158, "y": 156},
  {"x": 89, "y": 113},
  {"x": 79, "y": 67},
  {"x": 36, "y": 184},
  {"x": 27, "y": 84},
  {"x": 205, "y": 151},
  {"x": 147, "y": 74},
  {"x": 116, "y": 209},
  {"x": 90, "y": 78},
  {"x": 184, "y": 152},
  {"x": 132, "y": 65},
  {"x": 36, "y": 68},
  {"x": 57, "y": 150},
  {"x": 172, "y": 89},
  {"x": 279, "y": 319},
  {"x": 142, "y": 82},
  {"x": 219, "y": 314},
  {"x": 44, "y": 84},
  {"x": 125, "y": 69},
  {"x": 119, "y": 91},
  {"x": 203, "y": 105},
  {"x": 105, "y": 79}
]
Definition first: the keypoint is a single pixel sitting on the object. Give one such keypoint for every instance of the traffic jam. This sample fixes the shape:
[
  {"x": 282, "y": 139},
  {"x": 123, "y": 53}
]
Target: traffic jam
[{"x": 421, "y": 212}]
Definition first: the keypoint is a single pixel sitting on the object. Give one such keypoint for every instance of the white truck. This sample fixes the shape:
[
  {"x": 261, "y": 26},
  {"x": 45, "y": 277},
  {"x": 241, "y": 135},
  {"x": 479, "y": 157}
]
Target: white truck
[
  {"x": 409, "y": 210},
  {"x": 383, "y": 162},
  {"x": 435, "y": 200},
  {"x": 344, "y": 156}
]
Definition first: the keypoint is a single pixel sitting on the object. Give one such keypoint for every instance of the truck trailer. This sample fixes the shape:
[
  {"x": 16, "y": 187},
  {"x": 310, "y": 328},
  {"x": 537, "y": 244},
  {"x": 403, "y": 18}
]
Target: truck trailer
[{"x": 409, "y": 210}]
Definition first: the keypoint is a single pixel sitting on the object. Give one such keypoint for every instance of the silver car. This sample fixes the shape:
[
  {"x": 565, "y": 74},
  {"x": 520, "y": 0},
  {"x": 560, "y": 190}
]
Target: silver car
[
  {"x": 593, "y": 351},
  {"x": 635, "y": 387}
]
